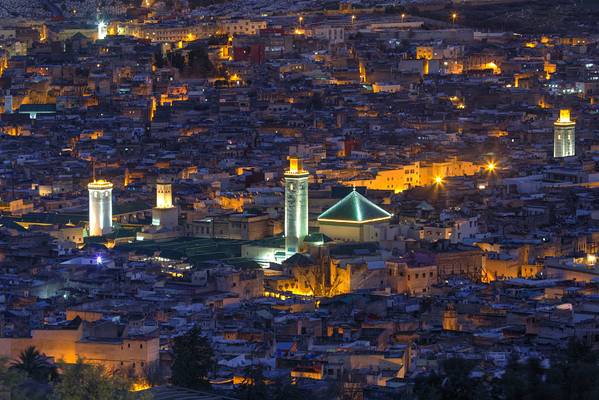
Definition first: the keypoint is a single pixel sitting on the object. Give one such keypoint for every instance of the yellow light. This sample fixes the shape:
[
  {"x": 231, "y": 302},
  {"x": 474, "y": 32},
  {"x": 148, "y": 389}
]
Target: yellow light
[
  {"x": 591, "y": 259},
  {"x": 491, "y": 166},
  {"x": 438, "y": 180},
  {"x": 564, "y": 116},
  {"x": 139, "y": 386}
]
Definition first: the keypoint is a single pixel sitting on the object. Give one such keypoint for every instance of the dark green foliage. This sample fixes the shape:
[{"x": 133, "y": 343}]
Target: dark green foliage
[
  {"x": 572, "y": 376},
  {"x": 257, "y": 386},
  {"x": 36, "y": 365},
  {"x": 193, "y": 360}
]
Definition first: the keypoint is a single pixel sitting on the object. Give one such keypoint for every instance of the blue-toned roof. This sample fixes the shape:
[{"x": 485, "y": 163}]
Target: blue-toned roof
[{"x": 354, "y": 208}]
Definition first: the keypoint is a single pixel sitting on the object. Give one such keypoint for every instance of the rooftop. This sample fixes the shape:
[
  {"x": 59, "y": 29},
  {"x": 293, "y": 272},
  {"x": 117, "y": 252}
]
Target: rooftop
[{"x": 356, "y": 209}]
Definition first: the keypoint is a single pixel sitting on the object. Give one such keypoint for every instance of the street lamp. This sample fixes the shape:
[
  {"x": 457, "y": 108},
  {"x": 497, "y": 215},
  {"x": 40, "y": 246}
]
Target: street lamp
[
  {"x": 491, "y": 166},
  {"x": 453, "y": 17},
  {"x": 301, "y": 20},
  {"x": 353, "y": 19},
  {"x": 403, "y": 16}
]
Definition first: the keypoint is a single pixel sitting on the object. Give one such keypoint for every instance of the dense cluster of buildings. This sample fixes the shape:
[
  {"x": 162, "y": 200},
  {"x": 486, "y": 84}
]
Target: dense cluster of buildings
[{"x": 344, "y": 196}]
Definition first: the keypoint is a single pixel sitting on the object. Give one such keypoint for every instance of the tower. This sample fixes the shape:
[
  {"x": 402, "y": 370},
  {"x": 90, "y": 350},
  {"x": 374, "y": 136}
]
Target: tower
[
  {"x": 100, "y": 207},
  {"x": 450, "y": 318},
  {"x": 296, "y": 205},
  {"x": 164, "y": 214},
  {"x": 164, "y": 195},
  {"x": 563, "y": 135}
]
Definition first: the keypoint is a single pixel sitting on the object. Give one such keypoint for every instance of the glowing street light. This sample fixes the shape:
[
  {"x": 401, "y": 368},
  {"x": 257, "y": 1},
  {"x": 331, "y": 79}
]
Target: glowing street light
[
  {"x": 353, "y": 19},
  {"x": 403, "y": 16},
  {"x": 438, "y": 180},
  {"x": 491, "y": 166},
  {"x": 301, "y": 20},
  {"x": 453, "y": 17}
]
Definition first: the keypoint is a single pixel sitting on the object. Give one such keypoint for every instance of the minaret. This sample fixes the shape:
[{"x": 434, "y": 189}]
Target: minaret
[
  {"x": 100, "y": 207},
  {"x": 450, "y": 318},
  {"x": 563, "y": 135},
  {"x": 164, "y": 214},
  {"x": 164, "y": 195},
  {"x": 296, "y": 205}
]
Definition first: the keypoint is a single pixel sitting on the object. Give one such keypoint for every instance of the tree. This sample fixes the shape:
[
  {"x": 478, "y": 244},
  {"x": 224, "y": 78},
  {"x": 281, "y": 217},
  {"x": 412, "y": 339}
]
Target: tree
[
  {"x": 36, "y": 365},
  {"x": 81, "y": 381},
  {"x": 193, "y": 360},
  {"x": 11, "y": 380},
  {"x": 254, "y": 384},
  {"x": 452, "y": 383}
]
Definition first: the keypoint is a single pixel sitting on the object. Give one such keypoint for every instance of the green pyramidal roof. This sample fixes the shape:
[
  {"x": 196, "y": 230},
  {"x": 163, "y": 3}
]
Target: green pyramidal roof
[{"x": 354, "y": 208}]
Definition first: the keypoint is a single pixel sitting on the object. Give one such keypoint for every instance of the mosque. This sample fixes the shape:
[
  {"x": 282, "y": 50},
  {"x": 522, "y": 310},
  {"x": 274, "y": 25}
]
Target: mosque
[{"x": 352, "y": 219}]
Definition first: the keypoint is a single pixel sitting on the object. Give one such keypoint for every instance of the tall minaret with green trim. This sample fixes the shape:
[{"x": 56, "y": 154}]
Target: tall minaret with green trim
[{"x": 296, "y": 205}]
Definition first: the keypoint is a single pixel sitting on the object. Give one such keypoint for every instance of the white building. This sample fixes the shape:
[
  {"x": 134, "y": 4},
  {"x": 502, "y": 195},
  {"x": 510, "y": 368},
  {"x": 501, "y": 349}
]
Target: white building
[{"x": 100, "y": 207}]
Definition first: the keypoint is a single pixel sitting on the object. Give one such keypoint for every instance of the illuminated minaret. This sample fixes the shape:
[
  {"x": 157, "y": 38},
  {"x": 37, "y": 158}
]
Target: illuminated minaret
[
  {"x": 164, "y": 214},
  {"x": 100, "y": 207},
  {"x": 102, "y": 30},
  {"x": 563, "y": 135},
  {"x": 296, "y": 205}
]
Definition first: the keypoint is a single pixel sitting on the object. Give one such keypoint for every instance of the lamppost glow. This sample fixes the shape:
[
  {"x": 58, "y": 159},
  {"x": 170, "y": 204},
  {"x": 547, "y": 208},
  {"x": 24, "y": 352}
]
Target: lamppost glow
[
  {"x": 453, "y": 17},
  {"x": 438, "y": 180},
  {"x": 403, "y": 16},
  {"x": 491, "y": 166}
]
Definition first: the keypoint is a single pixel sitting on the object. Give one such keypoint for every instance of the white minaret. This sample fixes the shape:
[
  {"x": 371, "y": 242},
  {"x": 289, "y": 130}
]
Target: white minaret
[
  {"x": 296, "y": 205},
  {"x": 164, "y": 214},
  {"x": 564, "y": 140},
  {"x": 100, "y": 207}
]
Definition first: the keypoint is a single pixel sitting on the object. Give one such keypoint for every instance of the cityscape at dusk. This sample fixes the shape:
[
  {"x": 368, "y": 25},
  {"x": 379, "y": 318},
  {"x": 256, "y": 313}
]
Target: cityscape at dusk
[{"x": 299, "y": 200}]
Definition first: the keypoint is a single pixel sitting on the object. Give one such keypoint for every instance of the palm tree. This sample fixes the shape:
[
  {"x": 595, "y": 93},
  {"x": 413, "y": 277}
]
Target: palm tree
[{"x": 36, "y": 365}]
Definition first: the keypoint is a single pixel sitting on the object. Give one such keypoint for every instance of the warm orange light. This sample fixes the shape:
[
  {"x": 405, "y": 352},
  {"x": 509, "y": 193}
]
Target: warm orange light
[
  {"x": 491, "y": 166},
  {"x": 139, "y": 386},
  {"x": 438, "y": 180}
]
